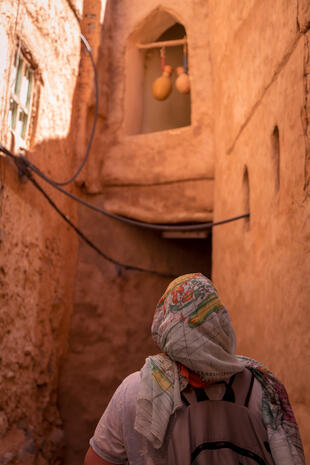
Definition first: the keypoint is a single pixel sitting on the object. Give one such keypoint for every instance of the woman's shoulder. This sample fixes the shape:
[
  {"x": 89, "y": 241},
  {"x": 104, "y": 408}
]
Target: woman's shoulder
[
  {"x": 132, "y": 381},
  {"x": 129, "y": 387}
]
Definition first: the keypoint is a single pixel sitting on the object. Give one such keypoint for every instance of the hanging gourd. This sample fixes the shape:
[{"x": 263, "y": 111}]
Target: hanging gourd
[
  {"x": 182, "y": 82},
  {"x": 162, "y": 86}
]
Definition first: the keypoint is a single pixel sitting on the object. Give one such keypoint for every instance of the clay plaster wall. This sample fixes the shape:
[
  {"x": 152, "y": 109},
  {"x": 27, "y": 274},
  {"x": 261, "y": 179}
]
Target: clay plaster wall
[
  {"x": 176, "y": 163},
  {"x": 262, "y": 268},
  {"x": 250, "y": 65},
  {"x": 37, "y": 251}
]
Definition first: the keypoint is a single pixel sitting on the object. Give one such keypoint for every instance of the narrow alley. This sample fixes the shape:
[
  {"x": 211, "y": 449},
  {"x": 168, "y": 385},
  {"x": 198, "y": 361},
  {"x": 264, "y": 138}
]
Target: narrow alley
[{"x": 141, "y": 141}]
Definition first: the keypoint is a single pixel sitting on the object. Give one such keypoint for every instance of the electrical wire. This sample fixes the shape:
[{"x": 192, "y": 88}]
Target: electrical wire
[
  {"x": 24, "y": 171},
  {"x": 142, "y": 224},
  {"x": 20, "y": 160},
  {"x": 58, "y": 185},
  {"x": 92, "y": 133},
  {"x": 23, "y": 165}
]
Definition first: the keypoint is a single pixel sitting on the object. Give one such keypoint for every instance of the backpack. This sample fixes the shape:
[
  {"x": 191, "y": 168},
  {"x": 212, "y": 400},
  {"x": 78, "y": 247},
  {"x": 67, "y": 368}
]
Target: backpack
[{"x": 219, "y": 432}]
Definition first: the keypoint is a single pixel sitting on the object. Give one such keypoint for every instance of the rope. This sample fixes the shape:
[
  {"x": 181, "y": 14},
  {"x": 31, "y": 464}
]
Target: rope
[
  {"x": 185, "y": 63},
  {"x": 162, "y": 58}
]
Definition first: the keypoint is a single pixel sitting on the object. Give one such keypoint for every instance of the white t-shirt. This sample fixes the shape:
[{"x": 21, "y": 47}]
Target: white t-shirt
[{"x": 115, "y": 438}]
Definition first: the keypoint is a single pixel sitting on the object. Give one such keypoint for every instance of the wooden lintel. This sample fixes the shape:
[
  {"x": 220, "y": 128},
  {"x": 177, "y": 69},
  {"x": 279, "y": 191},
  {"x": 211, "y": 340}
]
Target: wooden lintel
[
  {"x": 166, "y": 43},
  {"x": 185, "y": 234}
]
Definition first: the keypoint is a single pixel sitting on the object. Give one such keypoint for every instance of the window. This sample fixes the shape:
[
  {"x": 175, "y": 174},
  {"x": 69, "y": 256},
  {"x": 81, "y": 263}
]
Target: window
[
  {"x": 21, "y": 93},
  {"x": 175, "y": 111},
  {"x": 143, "y": 113}
]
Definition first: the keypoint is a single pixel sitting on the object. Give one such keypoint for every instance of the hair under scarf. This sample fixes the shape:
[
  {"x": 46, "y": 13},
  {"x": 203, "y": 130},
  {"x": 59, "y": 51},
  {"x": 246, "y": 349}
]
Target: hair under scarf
[{"x": 192, "y": 327}]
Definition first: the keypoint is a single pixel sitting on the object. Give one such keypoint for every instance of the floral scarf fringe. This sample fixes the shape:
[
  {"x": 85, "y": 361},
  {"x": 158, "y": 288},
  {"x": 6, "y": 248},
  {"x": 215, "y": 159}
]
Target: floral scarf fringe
[{"x": 278, "y": 416}]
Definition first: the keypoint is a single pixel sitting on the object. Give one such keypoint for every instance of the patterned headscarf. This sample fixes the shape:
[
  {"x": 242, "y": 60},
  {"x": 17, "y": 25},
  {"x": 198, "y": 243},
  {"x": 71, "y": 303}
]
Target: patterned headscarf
[{"x": 193, "y": 329}]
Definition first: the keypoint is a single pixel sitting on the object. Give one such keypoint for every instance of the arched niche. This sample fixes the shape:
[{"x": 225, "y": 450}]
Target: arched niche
[
  {"x": 276, "y": 157},
  {"x": 246, "y": 196},
  {"x": 143, "y": 113}
]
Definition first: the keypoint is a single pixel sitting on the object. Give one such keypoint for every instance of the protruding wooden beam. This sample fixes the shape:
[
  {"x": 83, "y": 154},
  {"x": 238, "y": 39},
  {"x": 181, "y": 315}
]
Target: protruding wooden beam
[{"x": 166, "y": 43}]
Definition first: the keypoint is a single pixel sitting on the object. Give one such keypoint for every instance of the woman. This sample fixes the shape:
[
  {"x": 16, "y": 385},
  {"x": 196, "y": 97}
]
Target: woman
[{"x": 193, "y": 329}]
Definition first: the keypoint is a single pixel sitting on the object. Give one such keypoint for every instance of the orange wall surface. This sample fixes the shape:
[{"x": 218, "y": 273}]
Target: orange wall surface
[
  {"x": 249, "y": 67},
  {"x": 262, "y": 268},
  {"x": 249, "y": 62}
]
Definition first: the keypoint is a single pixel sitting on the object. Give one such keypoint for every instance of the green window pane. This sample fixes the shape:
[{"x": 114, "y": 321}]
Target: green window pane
[
  {"x": 14, "y": 71},
  {"x": 12, "y": 114},
  {"x": 24, "y": 125},
  {"x": 30, "y": 83},
  {"x": 20, "y": 123},
  {"x": 24, "y": 87},
  {"x": 18, "y": 76}
]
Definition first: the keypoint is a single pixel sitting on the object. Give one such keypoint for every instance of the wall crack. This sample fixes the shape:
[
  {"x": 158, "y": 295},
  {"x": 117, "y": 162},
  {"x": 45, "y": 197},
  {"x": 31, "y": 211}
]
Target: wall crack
[
  {"x": 282, "y": 65},
  {"x": 163, "y": 183}
]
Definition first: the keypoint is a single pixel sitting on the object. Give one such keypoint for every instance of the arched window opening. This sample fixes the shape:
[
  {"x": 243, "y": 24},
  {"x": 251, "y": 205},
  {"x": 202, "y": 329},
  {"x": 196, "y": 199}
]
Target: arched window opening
[
  {"x": 143, "y": 112},
  {"x": 174, "y": 112},
  {"x": 246, "y": 197},
  {"x": 276, "y": 157}
]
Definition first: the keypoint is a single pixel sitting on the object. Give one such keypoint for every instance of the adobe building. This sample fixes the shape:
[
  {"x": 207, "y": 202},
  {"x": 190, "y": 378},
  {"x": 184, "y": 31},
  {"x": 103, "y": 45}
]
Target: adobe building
[
  {"x": 39, "y": 65},
  {"x": 74, "y": 324},
  {"x": 238, "y": 143}
]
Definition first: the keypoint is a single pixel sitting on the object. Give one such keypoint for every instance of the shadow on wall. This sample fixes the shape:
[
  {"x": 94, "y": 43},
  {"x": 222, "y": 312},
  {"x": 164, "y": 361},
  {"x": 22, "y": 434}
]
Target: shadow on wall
[{"x": 39, "y": 254}]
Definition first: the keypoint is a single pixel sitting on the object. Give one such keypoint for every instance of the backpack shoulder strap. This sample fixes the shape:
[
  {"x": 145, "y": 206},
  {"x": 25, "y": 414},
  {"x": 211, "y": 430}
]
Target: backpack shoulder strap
[
  {"x": 244, "y": 386},
  {"x": 241, "y": 394},
  {"x": 193, "y": 395},
  {"x": 248, "y": 396},
  {"x": 229, "y": 395},
  {"x": 201, "y": 395}
]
